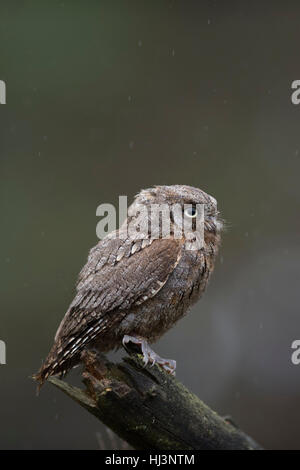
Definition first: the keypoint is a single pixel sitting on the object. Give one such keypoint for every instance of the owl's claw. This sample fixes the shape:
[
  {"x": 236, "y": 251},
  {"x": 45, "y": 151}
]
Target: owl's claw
[{"x": 149, "y": 356}]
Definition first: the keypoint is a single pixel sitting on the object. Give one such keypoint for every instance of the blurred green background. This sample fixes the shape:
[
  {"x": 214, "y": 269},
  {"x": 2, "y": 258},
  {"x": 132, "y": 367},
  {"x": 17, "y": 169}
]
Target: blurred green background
[{"x": 105, "y": 98}]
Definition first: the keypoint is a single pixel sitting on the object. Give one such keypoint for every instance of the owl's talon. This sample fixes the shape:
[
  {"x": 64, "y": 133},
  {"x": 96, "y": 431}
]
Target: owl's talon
[{"x": 169, "y": 365}]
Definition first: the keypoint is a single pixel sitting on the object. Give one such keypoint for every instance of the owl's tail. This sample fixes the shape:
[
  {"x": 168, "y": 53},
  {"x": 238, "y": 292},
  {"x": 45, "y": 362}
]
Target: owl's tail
[
  {"x": 54, "y": 364},
  {"x": 41, "y": 376}
]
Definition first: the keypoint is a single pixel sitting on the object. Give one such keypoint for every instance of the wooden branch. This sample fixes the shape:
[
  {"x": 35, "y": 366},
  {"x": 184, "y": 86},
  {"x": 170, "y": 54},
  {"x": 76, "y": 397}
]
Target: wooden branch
[{"x": 150, "y": 409}]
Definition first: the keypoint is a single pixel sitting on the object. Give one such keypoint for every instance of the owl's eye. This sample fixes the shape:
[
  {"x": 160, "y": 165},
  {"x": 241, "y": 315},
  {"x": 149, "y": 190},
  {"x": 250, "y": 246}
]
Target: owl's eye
[{"x": 191, "y": 212}]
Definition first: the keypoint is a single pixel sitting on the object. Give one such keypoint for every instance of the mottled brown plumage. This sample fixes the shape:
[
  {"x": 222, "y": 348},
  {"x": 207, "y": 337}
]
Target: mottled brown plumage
[{"x": 135, "y": 289}]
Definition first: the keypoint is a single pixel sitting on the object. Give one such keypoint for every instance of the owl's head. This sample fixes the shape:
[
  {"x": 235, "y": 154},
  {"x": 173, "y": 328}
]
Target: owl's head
[{"x": 183, "y": 203}]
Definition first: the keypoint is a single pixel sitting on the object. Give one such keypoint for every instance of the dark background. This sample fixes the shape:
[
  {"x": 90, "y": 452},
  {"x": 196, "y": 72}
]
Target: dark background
[{"x": 105, "y": 98}]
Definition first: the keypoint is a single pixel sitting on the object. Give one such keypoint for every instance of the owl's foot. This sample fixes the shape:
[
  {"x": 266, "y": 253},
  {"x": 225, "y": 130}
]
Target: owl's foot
[{"x": 149, "y": 356}]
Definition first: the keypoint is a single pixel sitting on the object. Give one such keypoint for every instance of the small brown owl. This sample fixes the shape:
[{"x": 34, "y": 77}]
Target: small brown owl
[{"x": 135, "y": 286}]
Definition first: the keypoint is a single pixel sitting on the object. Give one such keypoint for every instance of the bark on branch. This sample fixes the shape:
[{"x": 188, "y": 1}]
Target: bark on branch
[{"x": 150, "y": 409}]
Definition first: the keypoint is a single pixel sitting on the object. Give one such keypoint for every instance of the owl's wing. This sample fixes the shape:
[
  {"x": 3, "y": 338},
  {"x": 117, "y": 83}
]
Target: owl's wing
[{"x": 119, "y": 275}]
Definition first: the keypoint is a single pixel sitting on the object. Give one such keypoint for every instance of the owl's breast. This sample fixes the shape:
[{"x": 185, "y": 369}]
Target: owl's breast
[
  {"x": 183, "y": 287},
  {"x": 188, "y": 280}
]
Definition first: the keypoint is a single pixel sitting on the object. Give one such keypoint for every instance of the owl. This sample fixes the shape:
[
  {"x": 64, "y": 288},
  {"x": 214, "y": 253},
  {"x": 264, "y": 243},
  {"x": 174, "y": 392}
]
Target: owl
[{"x": 137, "y": 283}]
